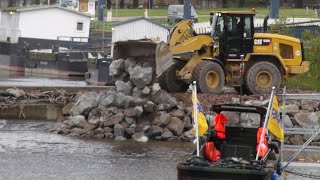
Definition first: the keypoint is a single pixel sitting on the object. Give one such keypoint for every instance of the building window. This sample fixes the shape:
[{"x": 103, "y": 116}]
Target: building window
[
  {"x": 80, "y": 26},
  {"x": 286, "y": 51}
]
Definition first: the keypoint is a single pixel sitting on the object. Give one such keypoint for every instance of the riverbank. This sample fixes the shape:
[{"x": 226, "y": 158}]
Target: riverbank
[{"x": 28, "y": 152}]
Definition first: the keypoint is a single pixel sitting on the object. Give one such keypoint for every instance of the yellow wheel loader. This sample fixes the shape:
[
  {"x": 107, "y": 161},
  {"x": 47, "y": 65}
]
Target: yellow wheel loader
[{"x": 231, "y": 54}]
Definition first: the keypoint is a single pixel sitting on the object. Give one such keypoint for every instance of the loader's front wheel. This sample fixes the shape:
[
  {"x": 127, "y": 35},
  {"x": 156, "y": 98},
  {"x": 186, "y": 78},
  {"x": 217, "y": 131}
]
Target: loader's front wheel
[
  {"x": 209, "y": 77},
  {"x": 169, "y": 81},
  {"x": 261, "y": 77}
]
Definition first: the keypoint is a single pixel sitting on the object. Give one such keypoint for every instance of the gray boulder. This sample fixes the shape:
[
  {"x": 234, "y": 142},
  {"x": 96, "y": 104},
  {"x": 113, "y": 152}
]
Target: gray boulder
[
  {"x": 122, "y": 77},
  {"x": 120, "y": 100},
  {"x": 163, "y": 97},
  {"x": 88, "y": 127},
  {"x": 129, "y": 112},
  {"x": 107, "y": 130},
  {"x": 129, "y": 62},
  {"x": 165, "y": 119},
  {"x": 130, "y": 120},
  {"x": 155, "y": 88},
  {"x": 77, "y": 131},
  {"x": 292, "y": 109},
  {"x": 116, "y": 67},
  {"x": 99, "y": 136},
  {"x": 108, "y": 99},
  {"x": 287, "y": 122},
  {"x": 149, "y": 106},
  {"x": 178, "y": 113},
  {"x": 130, "y": 131},
  {"x": 181, "y": 106},
  {"x": 88, "y": 134},
  {"x": 95, "y": 121},
  {"x": 97, "y": 112},
  {"x": 118, "y": 130},
  {"x": 141, "y": 77},
  {"x": 154, "y": 131},
  {"x": 176, "y": 126},
  {"x": 296, "y": 139},
  {"x": 136, "y": 92},
  {"x": 129, "y": 102},
  {"x": 85, "y": 103},
  {"x": 108, "y": 135},
  {"x": 120, "y": 138},
  {"x": 137, "y": 136},
  {"x": 189, "y": 135},
  {"x": 307, "y": 119},
  {"x": 110, "y": 121},
  {"x": 166, "y": 135},
  {"x": 78, "y": 121},
  {"x": 124, "y": 87},
  {"x": 66, "y": 110},
  {"x": 146, "y": 91},
  {"x": 143, "y": 139},
  {"x": 138, "y": 110},
  {"x": 163, "y": 107},
  {"x": 309, "y": 105},
  {"x": 187, "y": 123},
  {"x": 98, "y": 131},
  {"x": 140, "y": 101}
]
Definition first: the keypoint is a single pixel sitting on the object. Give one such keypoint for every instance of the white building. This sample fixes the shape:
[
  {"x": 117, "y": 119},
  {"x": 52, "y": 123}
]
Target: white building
[
  {"x": 43, "y": 22},
  {"x": 139, "y": 28}
]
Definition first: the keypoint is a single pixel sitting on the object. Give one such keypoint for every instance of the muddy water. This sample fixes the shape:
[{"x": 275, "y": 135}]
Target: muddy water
[
  {"x": 18, "y": 79},
  {"x": 26, "y": 152}
]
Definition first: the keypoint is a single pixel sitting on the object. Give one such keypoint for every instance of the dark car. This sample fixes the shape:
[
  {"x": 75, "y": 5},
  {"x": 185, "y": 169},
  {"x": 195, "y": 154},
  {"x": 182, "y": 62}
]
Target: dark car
[{"x": 175, "y": 14}]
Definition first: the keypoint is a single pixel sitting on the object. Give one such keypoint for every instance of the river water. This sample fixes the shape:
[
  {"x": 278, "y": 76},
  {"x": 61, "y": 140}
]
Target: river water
[
  {"x": 20, "y": 79},
  {"x": 27, "y": 152}
]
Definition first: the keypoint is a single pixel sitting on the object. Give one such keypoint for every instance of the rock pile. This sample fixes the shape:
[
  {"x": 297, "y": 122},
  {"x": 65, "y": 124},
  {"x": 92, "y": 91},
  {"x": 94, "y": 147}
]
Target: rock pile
[{"x": 135, "y": 108}]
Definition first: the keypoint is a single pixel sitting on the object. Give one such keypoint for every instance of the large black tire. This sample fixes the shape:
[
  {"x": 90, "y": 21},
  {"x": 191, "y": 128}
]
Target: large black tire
[
  {"x": 168, "y": 80},
  {"x": 261, "y": 77},
  {"x": 209, "y": 76}
]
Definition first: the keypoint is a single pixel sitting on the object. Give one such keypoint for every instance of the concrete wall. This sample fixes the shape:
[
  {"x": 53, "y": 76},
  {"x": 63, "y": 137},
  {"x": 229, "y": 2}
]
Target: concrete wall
[
  {"x": 51, "y": 23},
  {"x": 9, "y": 26}
]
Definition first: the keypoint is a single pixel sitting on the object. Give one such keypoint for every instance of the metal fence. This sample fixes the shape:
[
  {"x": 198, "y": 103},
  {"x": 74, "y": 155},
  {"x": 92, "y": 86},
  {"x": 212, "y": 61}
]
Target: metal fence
[{"x": 303, "y": 131}]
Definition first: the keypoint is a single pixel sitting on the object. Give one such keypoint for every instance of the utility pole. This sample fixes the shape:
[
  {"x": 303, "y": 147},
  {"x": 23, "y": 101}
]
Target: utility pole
[{"x": 187, "y": 9}]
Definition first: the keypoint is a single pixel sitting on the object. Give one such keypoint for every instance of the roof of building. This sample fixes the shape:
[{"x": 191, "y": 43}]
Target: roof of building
[
  {"x": 234, "y": 12},
  {"x": 41, "y": 7},
  {"x": 137, "y": 19}
]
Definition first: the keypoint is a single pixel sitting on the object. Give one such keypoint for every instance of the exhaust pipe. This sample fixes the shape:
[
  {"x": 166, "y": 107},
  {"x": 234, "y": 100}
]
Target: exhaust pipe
[{"x": 265, "y": 24}]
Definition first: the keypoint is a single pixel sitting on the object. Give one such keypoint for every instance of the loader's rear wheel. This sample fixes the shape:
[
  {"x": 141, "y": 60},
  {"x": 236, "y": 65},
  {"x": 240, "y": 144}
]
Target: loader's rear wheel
[
  {"x": 169, "y": 81},
  {"x": 209, "y": 77},
  {"x": 261, "y": 77}
]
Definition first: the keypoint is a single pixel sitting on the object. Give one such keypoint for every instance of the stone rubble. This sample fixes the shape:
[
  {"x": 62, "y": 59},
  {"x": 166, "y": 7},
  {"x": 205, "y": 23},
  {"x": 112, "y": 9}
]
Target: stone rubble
[{"x": 138, "y": 109}]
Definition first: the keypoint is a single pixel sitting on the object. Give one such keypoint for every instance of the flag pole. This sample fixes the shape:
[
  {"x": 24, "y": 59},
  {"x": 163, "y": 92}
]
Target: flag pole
[
  {"x": 265, "y": 122},
  {"x": 195, "y": 115}
]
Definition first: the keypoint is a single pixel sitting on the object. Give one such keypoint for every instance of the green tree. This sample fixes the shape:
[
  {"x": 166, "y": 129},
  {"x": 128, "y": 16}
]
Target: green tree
[{"x": 242, "y": 3}]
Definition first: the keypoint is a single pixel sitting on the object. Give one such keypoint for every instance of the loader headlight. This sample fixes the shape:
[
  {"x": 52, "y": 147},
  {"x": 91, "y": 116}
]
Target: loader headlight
[{"x": 215, "y": 45}]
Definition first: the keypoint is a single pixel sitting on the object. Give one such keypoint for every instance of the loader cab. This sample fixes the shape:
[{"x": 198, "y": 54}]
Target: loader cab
[{"x": 234, "y": 31}]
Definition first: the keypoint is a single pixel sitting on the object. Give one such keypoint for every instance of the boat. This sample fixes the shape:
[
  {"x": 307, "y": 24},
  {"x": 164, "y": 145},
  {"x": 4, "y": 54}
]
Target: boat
[
  {"x": 59, "y": 61},
  {"x": 11, "y": 57},
  {"x": 238, "y": 150}
]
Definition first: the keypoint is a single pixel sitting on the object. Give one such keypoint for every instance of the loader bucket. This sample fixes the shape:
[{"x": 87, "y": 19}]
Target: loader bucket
[{"x": 156, "y": 53}]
